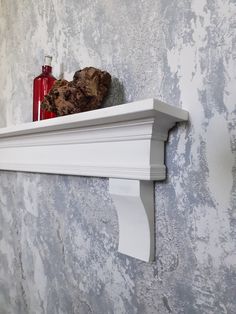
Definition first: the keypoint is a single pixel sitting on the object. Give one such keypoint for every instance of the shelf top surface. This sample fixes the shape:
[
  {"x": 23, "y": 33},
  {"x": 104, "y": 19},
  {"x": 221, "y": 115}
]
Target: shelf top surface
[{"x": 130, "y": 111}]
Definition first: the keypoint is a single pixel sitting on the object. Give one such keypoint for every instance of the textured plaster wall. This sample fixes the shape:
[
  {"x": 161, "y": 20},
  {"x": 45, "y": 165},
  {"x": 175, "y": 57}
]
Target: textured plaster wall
[{"x": 59, "y": 234}]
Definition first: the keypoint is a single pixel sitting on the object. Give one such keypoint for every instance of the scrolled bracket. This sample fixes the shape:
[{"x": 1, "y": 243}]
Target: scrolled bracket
[{"x": 134, "y": 202}]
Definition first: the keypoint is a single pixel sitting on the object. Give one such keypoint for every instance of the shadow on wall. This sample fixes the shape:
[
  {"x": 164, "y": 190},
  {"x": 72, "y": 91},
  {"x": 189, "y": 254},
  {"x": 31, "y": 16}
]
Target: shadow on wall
[
  {"x": 173, "y": 140},
  {"x": 116, "y": 95}
]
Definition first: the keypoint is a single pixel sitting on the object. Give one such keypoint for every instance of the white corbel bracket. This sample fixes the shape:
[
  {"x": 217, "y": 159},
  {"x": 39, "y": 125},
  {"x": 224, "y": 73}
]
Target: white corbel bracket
[
  {"x": 124, "y": 143},
  {"x": 134, "y": 201}
]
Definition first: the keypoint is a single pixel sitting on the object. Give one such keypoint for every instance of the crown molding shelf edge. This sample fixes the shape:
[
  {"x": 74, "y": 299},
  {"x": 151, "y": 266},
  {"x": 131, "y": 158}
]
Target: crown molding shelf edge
[{"x": 124, "y": 143}]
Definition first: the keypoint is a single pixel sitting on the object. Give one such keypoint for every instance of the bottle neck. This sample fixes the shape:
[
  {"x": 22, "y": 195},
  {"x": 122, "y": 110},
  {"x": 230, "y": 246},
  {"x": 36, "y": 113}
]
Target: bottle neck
[{"x": 46, "y": 69}]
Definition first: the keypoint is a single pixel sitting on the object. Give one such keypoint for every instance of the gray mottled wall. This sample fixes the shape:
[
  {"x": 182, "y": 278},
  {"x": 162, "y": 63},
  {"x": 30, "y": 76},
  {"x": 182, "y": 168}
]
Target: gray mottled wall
[{"x": 59, "y": 234}]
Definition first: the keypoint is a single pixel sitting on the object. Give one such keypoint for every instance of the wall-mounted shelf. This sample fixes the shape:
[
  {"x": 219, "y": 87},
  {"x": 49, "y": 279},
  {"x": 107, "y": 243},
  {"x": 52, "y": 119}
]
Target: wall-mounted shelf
[{"x": 124, "y": 143}]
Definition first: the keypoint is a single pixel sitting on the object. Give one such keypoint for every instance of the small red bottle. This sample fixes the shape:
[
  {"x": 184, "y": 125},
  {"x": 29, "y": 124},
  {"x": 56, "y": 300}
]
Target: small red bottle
[{"x": 42, "y": 85}]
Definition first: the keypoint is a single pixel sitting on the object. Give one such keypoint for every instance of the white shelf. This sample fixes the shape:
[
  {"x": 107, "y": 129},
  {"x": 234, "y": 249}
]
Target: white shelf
[{"x": 121, "y": 142}]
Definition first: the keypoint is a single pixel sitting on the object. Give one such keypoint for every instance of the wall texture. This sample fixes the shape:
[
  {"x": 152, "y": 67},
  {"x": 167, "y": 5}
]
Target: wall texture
[{"x": 58, "y": 234}]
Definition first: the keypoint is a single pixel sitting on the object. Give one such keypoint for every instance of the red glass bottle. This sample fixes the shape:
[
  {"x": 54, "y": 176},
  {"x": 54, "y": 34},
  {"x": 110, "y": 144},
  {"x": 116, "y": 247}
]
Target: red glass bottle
[{"x": 42, "y": 85}]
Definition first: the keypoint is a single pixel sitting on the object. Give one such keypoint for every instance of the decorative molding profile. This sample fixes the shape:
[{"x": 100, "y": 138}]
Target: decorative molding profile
[{"x": 124, "y": 143}]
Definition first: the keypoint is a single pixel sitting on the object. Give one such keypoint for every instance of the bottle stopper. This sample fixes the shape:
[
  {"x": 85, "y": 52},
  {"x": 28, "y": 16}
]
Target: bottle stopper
[{"x": 48, "y": 60}]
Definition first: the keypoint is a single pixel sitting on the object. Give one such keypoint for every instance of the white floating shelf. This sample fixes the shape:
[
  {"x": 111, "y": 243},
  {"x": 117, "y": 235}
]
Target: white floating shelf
[{"x": 124, "y": 143}]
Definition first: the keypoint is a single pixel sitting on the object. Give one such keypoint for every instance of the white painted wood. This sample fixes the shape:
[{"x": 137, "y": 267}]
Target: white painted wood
[
  {"x": 125, "y": 141},
  {"x": 134, "y": 201},
  {"x": 122, "y": 142},
  {"x": 131, "y": 111}
]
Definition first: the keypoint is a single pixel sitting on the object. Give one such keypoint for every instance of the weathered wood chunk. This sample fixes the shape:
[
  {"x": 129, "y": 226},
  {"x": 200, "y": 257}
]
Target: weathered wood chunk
[{"x": 85, "y": 92}]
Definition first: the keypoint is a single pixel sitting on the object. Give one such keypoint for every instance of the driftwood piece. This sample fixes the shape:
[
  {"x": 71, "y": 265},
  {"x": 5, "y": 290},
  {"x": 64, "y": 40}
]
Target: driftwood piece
[{"x": 85, "y": 92}]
